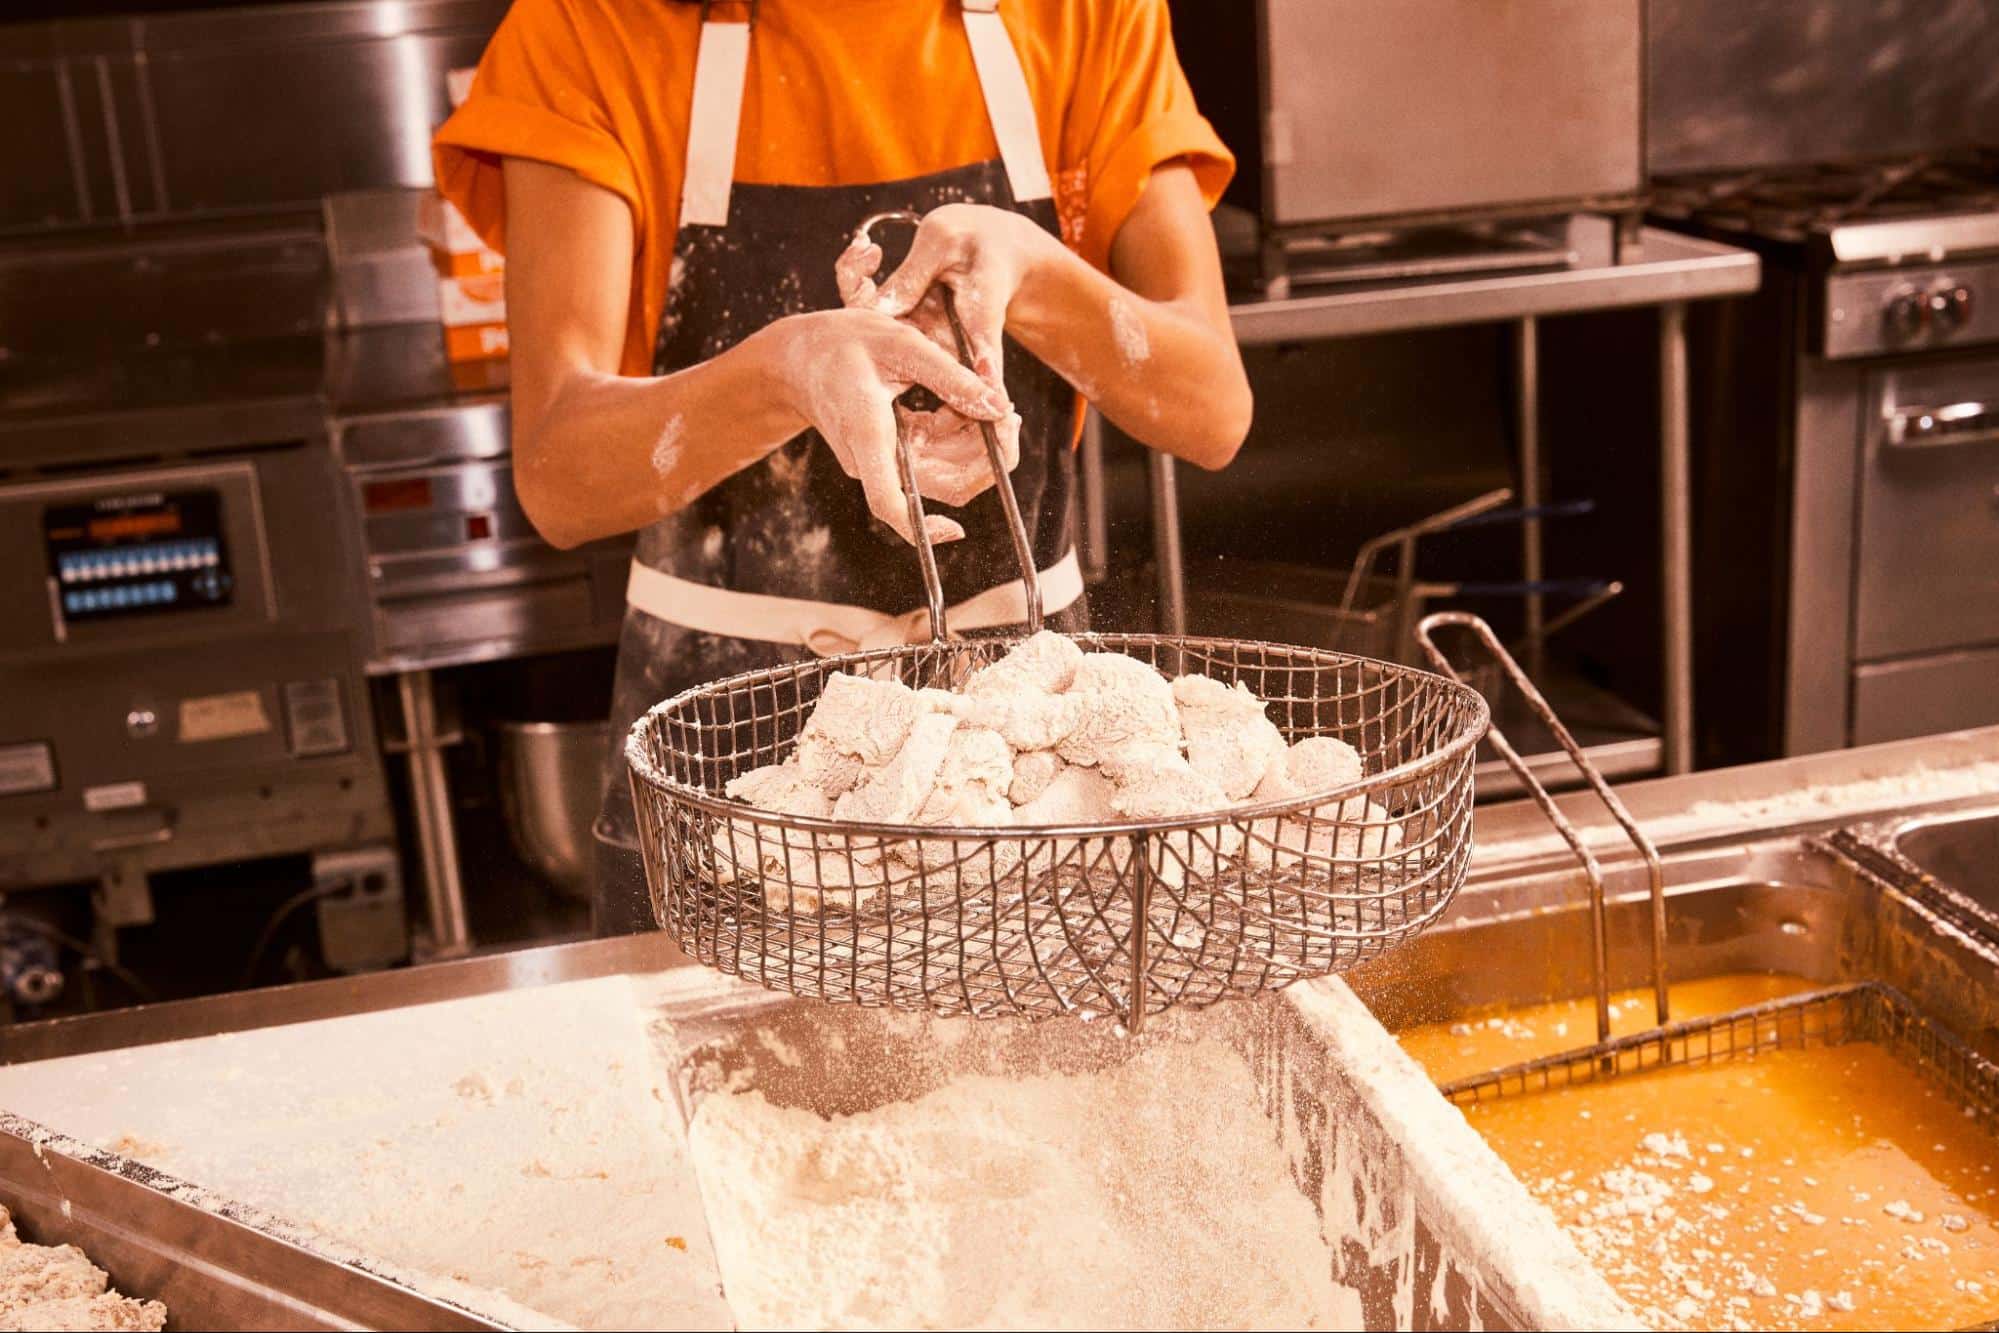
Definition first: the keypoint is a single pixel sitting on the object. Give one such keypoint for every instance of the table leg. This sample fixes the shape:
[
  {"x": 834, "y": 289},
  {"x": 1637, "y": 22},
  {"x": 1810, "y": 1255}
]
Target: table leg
[
  {"x": 1676, "y": 539},
  {"x": 436, "y": 832},
  {"x": 1527, "y": 430},
  {"x": 1172, "y": 573}
]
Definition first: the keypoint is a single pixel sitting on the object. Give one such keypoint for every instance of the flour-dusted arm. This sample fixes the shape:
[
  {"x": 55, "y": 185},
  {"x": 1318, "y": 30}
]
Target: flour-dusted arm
[
  {"x": 597, "y": 453},
  {"x": 1149, "y": 343}
]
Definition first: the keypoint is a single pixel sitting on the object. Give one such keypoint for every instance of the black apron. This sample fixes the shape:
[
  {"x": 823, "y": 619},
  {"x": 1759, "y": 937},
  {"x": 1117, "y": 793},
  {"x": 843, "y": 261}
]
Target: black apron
[{"x": 794, "y": 525}]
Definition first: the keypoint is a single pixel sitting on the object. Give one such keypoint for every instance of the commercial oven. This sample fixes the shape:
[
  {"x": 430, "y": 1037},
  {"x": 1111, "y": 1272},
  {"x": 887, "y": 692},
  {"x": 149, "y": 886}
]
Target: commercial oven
[{"x": 1354, "y": 115}]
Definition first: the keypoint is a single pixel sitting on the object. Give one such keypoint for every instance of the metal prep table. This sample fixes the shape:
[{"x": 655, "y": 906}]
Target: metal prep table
[{"x": 1664, "y": 270}]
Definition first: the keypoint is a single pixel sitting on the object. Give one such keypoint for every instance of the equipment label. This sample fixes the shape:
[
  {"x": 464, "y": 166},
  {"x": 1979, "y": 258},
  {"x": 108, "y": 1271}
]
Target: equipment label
[
  {"x": 219, "y": 717},
  {"x": 114, "y": 796},
  {"x": 30, "y": 766}
]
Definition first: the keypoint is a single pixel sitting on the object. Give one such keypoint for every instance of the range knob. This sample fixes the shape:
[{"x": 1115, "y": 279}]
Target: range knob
[
  {"x": 1906, "y": 316},
  {"x": 1949, "y": 305}
]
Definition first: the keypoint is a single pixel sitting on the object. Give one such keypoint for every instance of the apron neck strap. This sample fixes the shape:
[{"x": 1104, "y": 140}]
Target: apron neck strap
[
  {"x": 721, "y": 66},
  {"x": 1008, "y": 105}
]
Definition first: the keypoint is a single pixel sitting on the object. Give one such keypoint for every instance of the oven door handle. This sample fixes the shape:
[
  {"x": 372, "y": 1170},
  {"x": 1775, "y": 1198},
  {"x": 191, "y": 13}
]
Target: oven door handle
[{"x": 1937, "y": 427}]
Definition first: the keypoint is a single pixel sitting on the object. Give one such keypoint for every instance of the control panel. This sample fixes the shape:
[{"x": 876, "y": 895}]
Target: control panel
[
  {"x": 141, "y": 553},
  {"x": 1879, "y": 312}
]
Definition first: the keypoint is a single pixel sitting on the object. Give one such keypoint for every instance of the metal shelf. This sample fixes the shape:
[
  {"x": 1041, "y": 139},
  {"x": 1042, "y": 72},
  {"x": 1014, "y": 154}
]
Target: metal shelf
[{"x": 1664, "y": 268}]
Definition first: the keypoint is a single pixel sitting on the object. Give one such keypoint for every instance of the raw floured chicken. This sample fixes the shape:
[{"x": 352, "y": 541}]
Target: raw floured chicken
[
  {"x": 1349, "y": 830},
  {"x": 1317, "y": 763},
  {"x": 1123, "y": 701},
  {"x": 862, "y": 717},
  {"x": 1048, "y": 735},
  {"x": 788, "y": 789},
  {"x": 1231, "y": 740},
  {"x": 1029, "y": 717},
  {"x": 1033, "y": 770},
  {"x": 1073, "y": 796},
  {"x": 1046, "y": 661}
]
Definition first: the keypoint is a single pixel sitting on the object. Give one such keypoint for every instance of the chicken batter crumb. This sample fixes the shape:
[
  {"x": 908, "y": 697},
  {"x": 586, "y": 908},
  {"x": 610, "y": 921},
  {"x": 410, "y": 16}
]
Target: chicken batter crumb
[{"x": 55, "y": 1287}]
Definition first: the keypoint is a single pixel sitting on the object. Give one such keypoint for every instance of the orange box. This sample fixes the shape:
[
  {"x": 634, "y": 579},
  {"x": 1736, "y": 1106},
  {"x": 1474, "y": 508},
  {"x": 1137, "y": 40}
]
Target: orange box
[
  {"x": 472, "y": 299},
  {"x": 475, "y": 342},
  {"x": 467, "y": 264}
]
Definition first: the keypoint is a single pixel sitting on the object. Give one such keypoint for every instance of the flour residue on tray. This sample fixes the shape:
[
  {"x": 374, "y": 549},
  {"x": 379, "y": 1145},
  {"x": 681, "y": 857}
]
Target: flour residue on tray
[
  {"x": 502, "y": 1151},
  {"x": 1804, "y": 804},
  {"x": 1151, "y": 1194}
]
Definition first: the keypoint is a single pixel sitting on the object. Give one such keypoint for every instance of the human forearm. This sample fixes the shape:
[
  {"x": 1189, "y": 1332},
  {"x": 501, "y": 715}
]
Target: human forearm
[
  {"x": 1158, "y": 369},
  {"x": 1149, "y": 343},
  {"x": 606, "y": 454}
]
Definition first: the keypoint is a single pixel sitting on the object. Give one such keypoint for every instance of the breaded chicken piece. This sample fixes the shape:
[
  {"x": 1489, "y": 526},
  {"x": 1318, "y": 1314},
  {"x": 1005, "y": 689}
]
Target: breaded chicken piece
[
  {"x": 799, "y": 871},
  {"x": 833, "y": 773},
  {"x": 1072, "y": 796},
  {"x": 785, "y": 788},
  {"x": 1154, "y": 781},
  {"x": 894, "y": 793},
  {"x": 1317, "y": 763},
  {"x": 1046, "y": 661},
  {"x": 1356, "y": 829},
  {"x": 1231, "y": 740},
  {"x": 859, "y": 716},
  {"x": 1033, "y": 770},
  {"x": 1030, "y": 718},
  {"x": 1157, "y": 782},
  {"x": 1124, "y": 701}
]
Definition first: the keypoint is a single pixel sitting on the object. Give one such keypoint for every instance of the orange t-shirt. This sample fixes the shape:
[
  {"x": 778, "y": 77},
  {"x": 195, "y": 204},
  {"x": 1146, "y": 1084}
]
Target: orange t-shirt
[{"x": 839, "y": 92}]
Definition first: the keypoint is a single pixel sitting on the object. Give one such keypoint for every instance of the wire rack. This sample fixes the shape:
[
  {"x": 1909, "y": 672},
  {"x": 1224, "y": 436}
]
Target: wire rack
[
  {"x": 1862, "y": 1011},
  {"x": 1120, "y": 920},
  {"x": 1865, "y": 1011}
]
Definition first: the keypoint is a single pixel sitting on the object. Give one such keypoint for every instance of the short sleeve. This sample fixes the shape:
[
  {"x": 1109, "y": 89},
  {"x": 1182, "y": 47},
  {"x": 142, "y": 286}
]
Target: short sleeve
[
  {"x": 1133, "y": 111},
  {"x": 535, "y": 95}
]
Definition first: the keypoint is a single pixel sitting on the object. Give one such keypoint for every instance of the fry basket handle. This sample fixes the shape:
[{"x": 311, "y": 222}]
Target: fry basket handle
[
  {"x": 1592, "y": 869},
  {"x": 926, "y": 556}
]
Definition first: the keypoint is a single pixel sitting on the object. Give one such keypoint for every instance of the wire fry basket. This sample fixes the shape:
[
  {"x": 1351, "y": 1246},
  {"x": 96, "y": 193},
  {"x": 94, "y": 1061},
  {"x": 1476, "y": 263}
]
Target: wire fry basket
[
  {"x": 1121, "y": 920},
  {"x": 1863, "y": 1011}
]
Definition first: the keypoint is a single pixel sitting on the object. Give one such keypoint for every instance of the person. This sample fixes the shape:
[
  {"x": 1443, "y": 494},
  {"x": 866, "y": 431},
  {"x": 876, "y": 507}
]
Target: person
[{"x": 704, "y": 352}]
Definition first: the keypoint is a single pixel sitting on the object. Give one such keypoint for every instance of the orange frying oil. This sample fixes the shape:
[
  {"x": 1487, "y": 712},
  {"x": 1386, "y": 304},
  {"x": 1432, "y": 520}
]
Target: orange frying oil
[{"x": 1827, "y": 1188}]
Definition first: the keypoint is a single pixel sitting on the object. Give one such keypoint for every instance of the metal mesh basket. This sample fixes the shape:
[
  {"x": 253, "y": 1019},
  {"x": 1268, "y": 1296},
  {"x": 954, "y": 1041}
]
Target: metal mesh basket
[
  {"x": 1866, "y": 1011},
  {"x": 1118, "y": 920}
]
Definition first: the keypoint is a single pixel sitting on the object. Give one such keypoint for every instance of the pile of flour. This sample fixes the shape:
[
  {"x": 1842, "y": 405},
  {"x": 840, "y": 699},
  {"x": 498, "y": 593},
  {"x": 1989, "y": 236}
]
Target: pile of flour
[{"x": 1153, "y": 1194}]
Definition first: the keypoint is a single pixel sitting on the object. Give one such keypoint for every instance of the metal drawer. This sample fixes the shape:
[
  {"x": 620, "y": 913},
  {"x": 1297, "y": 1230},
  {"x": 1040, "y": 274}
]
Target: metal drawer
[
  {"x": 1929, "y": 516},
  {"x": 1925, "y": 695}
]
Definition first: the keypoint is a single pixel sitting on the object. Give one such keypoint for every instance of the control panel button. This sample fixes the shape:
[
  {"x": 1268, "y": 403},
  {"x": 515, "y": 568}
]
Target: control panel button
[
  {"x": 1906, "y": 317},
  {"x": 1949, "y": 307}
]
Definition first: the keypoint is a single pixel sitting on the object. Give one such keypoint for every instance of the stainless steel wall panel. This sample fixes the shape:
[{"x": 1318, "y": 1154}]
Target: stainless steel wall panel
[
  {"x": 1757, "y": 82},
  {"x": 45, "y": 184},
  {"x": 479, "y": 430},
  {"x": 204, "y": 290},
  {"x": 1433, "y": 105},
  {"x": 1925, "y": 695},
  {"x": 302, "y": 120},
  {"x": 227, "y": 110}
]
